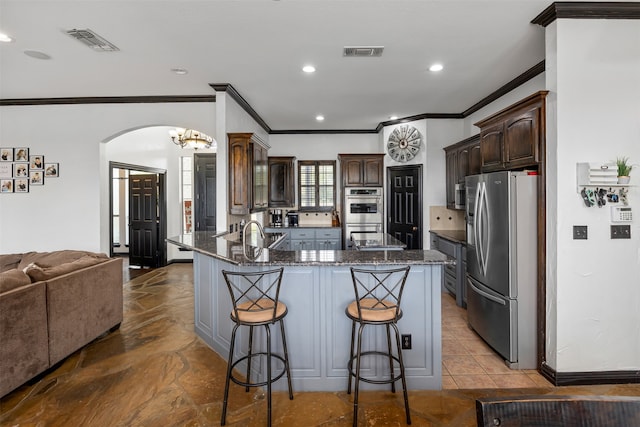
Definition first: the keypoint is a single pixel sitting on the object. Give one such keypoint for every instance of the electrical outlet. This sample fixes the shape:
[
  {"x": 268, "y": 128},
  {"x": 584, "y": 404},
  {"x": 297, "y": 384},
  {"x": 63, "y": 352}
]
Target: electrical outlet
[
  {"x": 579, "y": 232},
  {"x": 621, "y": 231},
  {"x": 406, "y": 341}
]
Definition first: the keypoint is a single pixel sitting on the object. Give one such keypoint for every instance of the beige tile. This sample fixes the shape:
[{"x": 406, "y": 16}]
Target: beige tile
[
  {"x": 463, "y": 333},
  {"x": 462, "y": 365},
  {"x": 474, "y": 381},
  {"x": 513, "y": 381},
  {"x": 450, "y": 347},
  {"x": 448, "y": 383},
  {"x": 493, "y": 364},
  {"x": 476, "y": 346},
  {"x": 539, "y": 379}
]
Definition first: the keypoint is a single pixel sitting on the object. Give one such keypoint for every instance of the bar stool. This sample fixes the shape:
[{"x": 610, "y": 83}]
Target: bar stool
[
  {"x": 255, "y": 298},
  {"x": 378, "y": 294}
]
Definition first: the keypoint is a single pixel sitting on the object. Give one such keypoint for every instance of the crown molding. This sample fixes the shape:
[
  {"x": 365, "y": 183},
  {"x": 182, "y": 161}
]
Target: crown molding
[
  {"x": 588, "y": 10},
  {"x": 109, "y": 100},
  {"x": 235, "y": 95}
]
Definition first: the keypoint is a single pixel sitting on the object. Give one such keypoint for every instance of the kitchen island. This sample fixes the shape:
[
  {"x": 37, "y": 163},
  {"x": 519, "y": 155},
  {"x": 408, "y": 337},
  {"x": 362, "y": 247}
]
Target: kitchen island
[{"x": 316, "y": 287}]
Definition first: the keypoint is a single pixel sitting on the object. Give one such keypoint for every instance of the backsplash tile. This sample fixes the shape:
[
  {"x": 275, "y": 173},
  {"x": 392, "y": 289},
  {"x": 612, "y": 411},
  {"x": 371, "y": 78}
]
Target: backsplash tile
[{"x": 441, "y": 218}]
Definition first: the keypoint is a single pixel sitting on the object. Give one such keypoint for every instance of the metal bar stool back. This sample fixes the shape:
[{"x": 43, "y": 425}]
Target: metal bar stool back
[
  {"x": 255, "y": 299},
  {"x": 378, "y": 294}
]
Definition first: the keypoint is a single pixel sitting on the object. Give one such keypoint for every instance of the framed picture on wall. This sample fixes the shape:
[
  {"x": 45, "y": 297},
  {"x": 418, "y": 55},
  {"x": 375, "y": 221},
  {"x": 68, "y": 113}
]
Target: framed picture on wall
[
  {"x": 5, "y": 170},
  {"x": 6, "y": 186},
  {"x": 21, "y": 185},
  {"x": 36, "y": 177},
  {"x": 6, "y": 154},
  {"x": 20, "y": 170},
  {"x": 51, "y": 170},
  {"x": 21, "y": 154},
  {"x": 36, "y": 162}
]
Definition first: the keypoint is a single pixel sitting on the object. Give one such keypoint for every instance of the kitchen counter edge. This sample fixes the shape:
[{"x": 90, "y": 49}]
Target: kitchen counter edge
[{"x": 216, "y": 246}]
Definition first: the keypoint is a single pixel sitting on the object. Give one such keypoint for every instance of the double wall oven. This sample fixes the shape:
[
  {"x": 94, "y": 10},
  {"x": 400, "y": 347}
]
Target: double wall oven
[{"x": 363, "y": 212}]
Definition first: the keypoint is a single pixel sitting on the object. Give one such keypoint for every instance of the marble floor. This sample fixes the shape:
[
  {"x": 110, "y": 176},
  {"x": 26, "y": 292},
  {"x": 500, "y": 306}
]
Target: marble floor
[{"x": 154, "y": 371}]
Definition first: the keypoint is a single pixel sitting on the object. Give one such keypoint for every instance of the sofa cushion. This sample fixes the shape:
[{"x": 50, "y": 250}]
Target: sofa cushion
[
  {"x": 51, "y": 259},
  {"x": 9, "y": 262},
  {"x": 38, "y": 272},
  {"x": 13, "y": 279}
]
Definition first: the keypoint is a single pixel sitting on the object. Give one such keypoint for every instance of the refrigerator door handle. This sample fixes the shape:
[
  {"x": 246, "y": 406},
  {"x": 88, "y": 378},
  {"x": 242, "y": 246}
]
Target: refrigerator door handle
[
  {"x": 485, "y": 294},
  {"x": 481, "y": 221},
  {"x": 476, "y": 226}
]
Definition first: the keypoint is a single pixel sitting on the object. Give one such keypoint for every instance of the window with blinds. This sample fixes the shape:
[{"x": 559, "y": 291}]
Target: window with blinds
[{"x": 317, "y": 185}]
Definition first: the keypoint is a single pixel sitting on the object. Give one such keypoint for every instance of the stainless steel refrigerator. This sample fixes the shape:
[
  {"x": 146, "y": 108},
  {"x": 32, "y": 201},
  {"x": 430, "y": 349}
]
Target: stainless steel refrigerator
[{"x": 501, "y": 214}]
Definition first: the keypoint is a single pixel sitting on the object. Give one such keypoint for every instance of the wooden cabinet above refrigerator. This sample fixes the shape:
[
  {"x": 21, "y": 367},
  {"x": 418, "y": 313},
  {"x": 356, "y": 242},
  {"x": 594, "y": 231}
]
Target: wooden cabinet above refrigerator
[{"x": 511, "y": 138}]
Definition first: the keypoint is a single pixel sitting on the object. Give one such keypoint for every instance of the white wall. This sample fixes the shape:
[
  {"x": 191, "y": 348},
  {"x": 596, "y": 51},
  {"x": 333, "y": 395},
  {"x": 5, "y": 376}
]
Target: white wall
[
  {"x": 594, "y": 284},
  {"x": 72, "y": 211}
]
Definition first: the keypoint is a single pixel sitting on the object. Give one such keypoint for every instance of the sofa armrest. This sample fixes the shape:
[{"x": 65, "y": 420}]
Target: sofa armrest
[
  {"x": 83, "y": 305},
  {"x": 24, "y": 344}
]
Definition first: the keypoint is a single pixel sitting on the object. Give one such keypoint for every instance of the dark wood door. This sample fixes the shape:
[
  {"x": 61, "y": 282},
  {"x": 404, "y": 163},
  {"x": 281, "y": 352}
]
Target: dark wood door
[
  {"x": 463, "y": 164},
  {"x": 521, "y": 139},
  {"x": 451, "y": 159},
  {"x": 491, "y": 147},
  {"x": 143, "y": 220},
  {"x": 404, "y": 204},
  {"x": 475, "y": 159},
  {"x": 204, "y": 190},
  {"x": 372, "y": 172},
  {"x": 239, "y": 173},
  {"x": 281, "y": 182}
]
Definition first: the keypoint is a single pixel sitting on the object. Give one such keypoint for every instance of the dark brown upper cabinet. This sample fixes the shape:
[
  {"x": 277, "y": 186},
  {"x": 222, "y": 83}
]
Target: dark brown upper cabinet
[
  {"x": 362, "y": 170},
  {"x": 247, "y": 174},
  {"x": 511, "y": 138},
  {"x": 281, "y": 182},
  {"x": 462, "y": 159}
]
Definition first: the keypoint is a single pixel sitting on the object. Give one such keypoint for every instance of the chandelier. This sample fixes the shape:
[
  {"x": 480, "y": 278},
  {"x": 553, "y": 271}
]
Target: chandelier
[{"x": 190, "y": 138}]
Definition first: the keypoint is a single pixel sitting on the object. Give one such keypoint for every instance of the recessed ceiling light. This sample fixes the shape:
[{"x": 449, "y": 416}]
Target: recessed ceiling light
[
  {"x": 309, "y": 69},
  {"x": 36, "y": 54},
  {"x": 320, "y": 118},
  {"x": 180, "y": 71},
  {"x": 436, "y": 67},
  {"x": 5, "y": 38},
  {"x": 393, "y": 117}
]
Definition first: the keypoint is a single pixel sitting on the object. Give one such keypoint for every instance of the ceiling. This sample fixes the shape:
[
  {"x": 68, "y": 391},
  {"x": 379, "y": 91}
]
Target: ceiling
[{"x": 260, "y": 46}]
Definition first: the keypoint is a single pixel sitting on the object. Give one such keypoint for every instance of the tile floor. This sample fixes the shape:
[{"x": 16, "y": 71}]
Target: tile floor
[
  {"x": 468, "y": 362},
  {"x": 154, "y": 371}
]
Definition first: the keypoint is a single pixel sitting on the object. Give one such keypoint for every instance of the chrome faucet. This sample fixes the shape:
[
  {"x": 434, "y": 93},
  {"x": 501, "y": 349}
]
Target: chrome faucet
[{"x": 244, "y": 230}]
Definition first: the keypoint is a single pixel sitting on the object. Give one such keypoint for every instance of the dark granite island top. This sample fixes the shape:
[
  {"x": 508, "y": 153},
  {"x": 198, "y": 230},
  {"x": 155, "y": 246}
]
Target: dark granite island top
[{"x": 258, "y": 252}]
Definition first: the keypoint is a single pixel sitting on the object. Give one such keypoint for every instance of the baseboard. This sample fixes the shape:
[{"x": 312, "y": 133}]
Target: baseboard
[{"x": 590, "y": 378}]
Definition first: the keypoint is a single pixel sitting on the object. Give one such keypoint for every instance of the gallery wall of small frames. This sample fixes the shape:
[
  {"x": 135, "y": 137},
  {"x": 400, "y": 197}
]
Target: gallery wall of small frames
[{"x": 20, "y": 170}]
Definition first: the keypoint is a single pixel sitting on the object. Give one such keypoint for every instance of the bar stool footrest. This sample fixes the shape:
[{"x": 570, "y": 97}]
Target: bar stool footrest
[
  {"x": 369, "y": 380},
  {"x": 266, "y": 381}
]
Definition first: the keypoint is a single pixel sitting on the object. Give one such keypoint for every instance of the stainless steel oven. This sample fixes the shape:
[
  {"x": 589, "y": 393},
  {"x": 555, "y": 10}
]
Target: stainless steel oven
[
  {"x": 363, "y": 212},
  {"x": 363, "y": 205}
]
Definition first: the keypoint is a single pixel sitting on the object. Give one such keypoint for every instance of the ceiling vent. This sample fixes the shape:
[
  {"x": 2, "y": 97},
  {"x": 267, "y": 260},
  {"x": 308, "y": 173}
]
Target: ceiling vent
[
  {"x": 92, "y": 40},
  {"x": 362, "y": 51}
]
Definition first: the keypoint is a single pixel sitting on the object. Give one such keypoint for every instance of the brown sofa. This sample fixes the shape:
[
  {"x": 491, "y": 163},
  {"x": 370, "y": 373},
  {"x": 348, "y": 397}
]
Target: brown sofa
[{"x": 52, "y": 304}]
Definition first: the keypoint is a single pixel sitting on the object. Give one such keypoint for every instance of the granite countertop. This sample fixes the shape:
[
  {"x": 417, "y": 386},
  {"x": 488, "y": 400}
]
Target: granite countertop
[
  {"x": 227, "y": 248},
  {"x": 456, "y": 236}
]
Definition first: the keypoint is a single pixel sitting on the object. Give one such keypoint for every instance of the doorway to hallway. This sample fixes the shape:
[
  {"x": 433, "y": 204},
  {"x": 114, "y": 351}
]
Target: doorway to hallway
[{"x": 137, "y": 207}]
